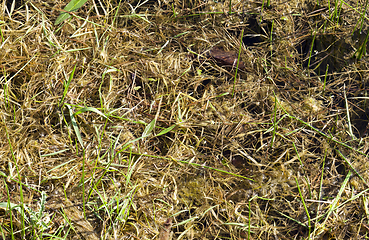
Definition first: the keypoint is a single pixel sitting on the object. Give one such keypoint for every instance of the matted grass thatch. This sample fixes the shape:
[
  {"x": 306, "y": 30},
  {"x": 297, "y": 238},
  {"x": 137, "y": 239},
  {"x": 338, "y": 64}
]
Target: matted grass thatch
[{"x": 184, "y": 119}]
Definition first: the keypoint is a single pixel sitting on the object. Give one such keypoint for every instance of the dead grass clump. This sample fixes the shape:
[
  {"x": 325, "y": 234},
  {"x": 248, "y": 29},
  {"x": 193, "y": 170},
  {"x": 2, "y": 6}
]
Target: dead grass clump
[{"x": 131, "y": 120}]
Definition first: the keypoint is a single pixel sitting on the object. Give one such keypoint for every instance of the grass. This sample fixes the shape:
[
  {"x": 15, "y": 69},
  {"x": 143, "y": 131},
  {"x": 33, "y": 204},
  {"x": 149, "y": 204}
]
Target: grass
[{"x": 119, "y": 122}]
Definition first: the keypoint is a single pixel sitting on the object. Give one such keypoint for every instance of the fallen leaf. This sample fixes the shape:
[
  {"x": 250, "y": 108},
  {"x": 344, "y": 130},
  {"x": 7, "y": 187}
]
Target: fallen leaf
[{"x": 225, "y": 58}]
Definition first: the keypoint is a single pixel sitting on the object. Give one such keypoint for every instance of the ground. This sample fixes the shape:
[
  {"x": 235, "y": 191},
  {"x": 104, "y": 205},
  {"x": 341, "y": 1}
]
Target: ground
[{"x": 184, "y": 119}]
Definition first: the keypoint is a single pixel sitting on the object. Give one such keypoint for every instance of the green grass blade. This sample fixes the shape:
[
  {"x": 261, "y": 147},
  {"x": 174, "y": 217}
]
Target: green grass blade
[
  {"x": 55, "y": 153},
  {"x": 348, "y": 114},
  {"x": 352, "y": 167},
  {"x": 149, "y": 129},
  {"x": 304, "y": 204},
  {"x": 90, "y": 109},
  {"x": 71, "y": 6},
  {"x": 75, "y": 126},
  {"x": 311, "y": 49},
  {"x": 238, "y": 63},
  {"x": 334, "y": 204},
  {"x": 166, "y": 130},
  {"x": 275, "y": 127},
  {"x": 288, "y": 217},
  {"x": 66, "y": 85}
]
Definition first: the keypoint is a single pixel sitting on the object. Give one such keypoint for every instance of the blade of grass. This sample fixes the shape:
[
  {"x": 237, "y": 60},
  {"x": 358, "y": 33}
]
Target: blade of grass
[
  {"x": 186, "y": 221},
  {"x": 361, "y": 51},
  {"x": 61, "y": 165},
  {"x": 9, "y": 206},
  {"x": 174, "y": 11},
  {"x": 325, "y": 77},
  {"x": 21, "y": 69},
  {"x": 311, "y": 49},
  {"x": 274, "y": 120},
  {"x": 238, "y": 62},
  {"x": 73, "y": 5},
  {"x": 271, "y": 41},
  {"x": 261, "y": 11},
  {"x": 348, "y": 114},
  {"x": 149, "y": 129},
  {"x": 131, "y": 167},
  {"x": 66, "y": 86},
  {"x": 55, "y": 153},
  {"x": 348, "y": 162},
  {"x": 321, "y": 227},
  {"x": 166, "y": 130},
  {"x": 1, "y": 34},
  {"x": 91, "y": 109},
  {"x": 61, "y": 176},
  {"x": 75, "y": 126},
  {"x": 339, "y": 12},
  {"x": 290, "y": 218},
  {"x": 305, "y": 207}
]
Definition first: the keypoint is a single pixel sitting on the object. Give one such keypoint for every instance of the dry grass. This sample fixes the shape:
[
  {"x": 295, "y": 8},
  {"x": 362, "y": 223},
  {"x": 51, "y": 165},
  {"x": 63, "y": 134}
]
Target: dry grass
[{"x": 123, "y": 123}]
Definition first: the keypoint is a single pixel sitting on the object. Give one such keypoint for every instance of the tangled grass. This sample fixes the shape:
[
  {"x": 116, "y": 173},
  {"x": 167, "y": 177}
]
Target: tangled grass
[{"x": 184, "y": 119}]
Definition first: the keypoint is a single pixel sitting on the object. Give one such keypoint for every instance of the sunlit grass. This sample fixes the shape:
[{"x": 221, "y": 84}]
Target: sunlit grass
[{"x": 119, "y": 121}]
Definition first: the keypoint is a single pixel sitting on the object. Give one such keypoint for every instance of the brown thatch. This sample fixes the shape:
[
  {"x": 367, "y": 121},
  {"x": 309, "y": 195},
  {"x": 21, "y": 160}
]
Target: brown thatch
[{"x": 184, "y": 120}]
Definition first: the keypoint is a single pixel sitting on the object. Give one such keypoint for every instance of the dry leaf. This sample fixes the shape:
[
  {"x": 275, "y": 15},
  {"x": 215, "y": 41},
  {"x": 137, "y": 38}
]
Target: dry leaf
[{"x": 226, "y": 58}]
